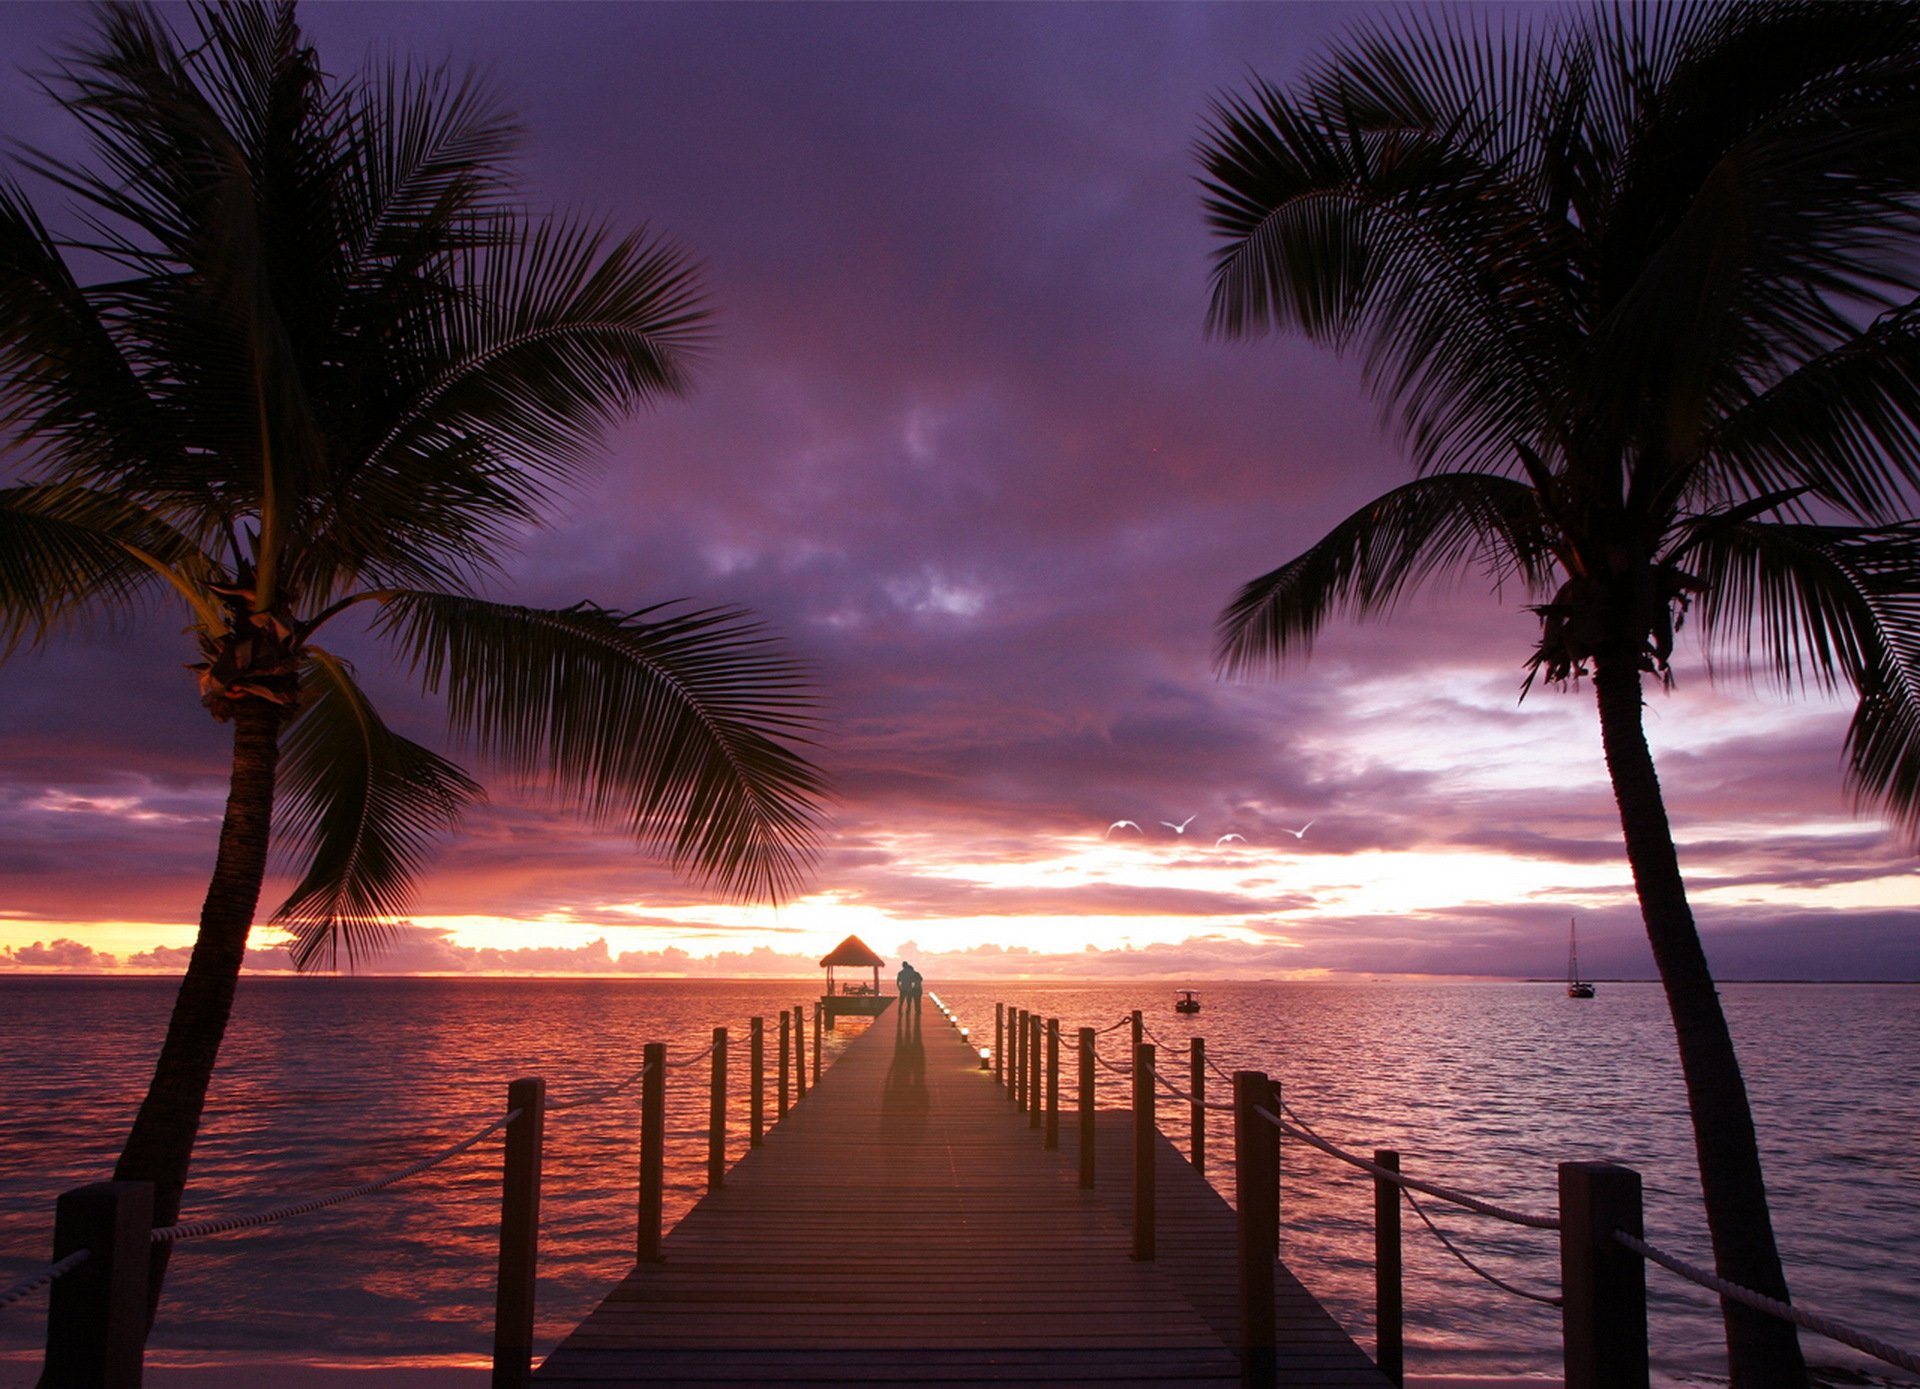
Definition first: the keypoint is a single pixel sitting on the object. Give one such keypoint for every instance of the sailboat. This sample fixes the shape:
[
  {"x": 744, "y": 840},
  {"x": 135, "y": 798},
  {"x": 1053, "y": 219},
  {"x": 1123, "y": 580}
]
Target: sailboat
[{"x": 1576, "y": 986}]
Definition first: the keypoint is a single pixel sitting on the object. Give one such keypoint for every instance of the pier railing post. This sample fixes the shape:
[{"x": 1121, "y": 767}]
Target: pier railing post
[
  {"x": 717, "y": 1114},
  {"x": 1139, "y": 1028},
  {"x": 1276, "y": 1109},
  {"x": 1053, "y": 1083},
  {"x": 786, "y": 1050},
  {"x": 1018, "y": 1090},
  {"x": 1603, "y": 1286},
  {"x": 799, "y": 1051},
  {"x": 1197, "y": 1111},
  {"x": 519, "y": 1234},
  {"x": 1036, "y": 1091},
  {"x": 653, "y": 1153},
  {"x": 756, "y": 1098},
  {"x": 1388, "y": 1309},
  {"x": 1256, "y": 1191},
  {"x": 97, "y": 1313},
  {"x": 1086, "y": 1107},
  {"x": 999, "y": 1044},
  {"x": 818, "y": 1011},
  {"x": 1143, "y": 1132}
]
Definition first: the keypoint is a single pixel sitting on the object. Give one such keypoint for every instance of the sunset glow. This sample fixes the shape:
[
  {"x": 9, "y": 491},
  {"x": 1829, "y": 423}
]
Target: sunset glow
[{"x": 963, "y": 443}]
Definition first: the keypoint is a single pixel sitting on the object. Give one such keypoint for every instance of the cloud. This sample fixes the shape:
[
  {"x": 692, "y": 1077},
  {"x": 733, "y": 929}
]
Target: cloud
[
  {"x": 963, "y": 441},
  {"x": 62, "y": 954}
]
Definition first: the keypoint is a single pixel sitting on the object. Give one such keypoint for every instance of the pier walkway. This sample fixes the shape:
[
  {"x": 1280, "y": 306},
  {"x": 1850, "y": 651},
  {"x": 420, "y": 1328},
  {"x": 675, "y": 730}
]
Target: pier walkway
[{"x": 903, "y": 1225}]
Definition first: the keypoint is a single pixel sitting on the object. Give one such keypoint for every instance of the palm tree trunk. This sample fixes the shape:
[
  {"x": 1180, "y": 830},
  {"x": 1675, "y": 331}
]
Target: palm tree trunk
[
  {"x": 1762, "y": 1351},
  {"x": 160, "y": 1144}
]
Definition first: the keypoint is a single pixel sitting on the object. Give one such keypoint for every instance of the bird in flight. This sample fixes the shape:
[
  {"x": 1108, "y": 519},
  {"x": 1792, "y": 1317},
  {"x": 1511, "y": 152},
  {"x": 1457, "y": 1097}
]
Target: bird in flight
[
  {"x": 1225, "y": 837},
  {"x": 1121, "y": 824},
  {"x": 1300, "y": 833},
  {"x": 1180, "y": 828}
]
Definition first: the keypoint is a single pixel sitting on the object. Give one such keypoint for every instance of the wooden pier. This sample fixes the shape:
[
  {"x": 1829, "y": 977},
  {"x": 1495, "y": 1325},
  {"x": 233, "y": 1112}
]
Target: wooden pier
[{"x": 904, "y": 1225}]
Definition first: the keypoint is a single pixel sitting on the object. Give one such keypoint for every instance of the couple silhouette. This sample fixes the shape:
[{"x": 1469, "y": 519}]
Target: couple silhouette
[{"x": 909, "y": 982}]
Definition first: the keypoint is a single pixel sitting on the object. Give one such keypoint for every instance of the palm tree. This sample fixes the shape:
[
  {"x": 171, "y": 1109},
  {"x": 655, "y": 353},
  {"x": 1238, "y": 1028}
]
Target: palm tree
[
  {"x": 324, "y": 364},
  {"x": 1639, "y": 288}
]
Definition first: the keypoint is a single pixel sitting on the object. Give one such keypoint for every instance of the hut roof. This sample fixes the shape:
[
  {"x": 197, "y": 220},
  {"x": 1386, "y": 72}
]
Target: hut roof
[{"x": 853, "y": 951}]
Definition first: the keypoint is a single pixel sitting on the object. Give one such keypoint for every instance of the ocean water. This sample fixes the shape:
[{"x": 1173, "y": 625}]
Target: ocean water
[{"x": 326, "y": 1083}]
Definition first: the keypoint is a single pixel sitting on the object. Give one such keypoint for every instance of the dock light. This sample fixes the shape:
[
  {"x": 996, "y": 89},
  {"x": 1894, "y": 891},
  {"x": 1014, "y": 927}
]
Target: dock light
[
  {"x": 986, "y": 1058},
  {"x": 965, "y": 1033}
]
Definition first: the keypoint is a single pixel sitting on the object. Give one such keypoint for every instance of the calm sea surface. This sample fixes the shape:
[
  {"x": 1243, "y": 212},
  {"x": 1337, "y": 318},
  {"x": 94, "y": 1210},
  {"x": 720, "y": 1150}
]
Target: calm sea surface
[{"x": 328, "y": 1083}]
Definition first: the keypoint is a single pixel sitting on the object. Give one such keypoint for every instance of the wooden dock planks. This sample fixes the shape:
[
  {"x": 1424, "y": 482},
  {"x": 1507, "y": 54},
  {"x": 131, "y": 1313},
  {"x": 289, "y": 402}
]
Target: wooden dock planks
[{"x": 903, "y": 1226}]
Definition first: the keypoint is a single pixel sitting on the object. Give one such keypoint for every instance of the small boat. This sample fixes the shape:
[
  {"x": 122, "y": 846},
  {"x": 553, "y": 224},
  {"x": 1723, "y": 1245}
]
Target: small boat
[
  {"x": 1576, "y": 986},
  {"x": 1188, "y": 1002}
]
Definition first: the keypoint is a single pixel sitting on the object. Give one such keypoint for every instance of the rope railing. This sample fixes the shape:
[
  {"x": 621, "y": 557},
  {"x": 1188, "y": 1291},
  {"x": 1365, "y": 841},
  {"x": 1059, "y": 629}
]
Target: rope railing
[
  {"x": 1105, "y": 1064},
  {"x": 1222, "y": 1106},
  {"x": 200, "y": 1229},
  {"x": 1785, "y": 1311},
  {"x": 1288, "y": 1122},
  {"x": 1545, "y": 1299},
  {"x": 691, "y": 1060},
  {"x": 1458, "y": 1198},
  {"x": 601, "y": 1095},
  {"x": 27, "y": 1287}
]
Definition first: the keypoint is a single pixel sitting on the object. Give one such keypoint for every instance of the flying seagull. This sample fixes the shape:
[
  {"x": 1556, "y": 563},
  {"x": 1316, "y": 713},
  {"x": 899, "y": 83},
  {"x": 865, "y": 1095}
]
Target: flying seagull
[
  {"x": 1225, "y": 837},
  {"x": 1180, "y": 828},
  {"x": 1121, "y": 824},
  {"x": 1300, "y": 833}
]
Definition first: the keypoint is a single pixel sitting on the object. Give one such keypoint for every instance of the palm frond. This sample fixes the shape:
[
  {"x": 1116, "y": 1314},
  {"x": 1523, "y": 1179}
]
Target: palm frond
[
  {"x": 359, "y": 806},
  {"x": 1764, "y": 201},
  {"x": 67, "y": 393},
  {"x": 1844, "y": 425},
  {"x": 64, "y": 549},
  {"x": 1370, "y": 560},
  {"x": 1385, "y": 206},
  {"x": 680, "y": 725},
  {"x": 1829, "y": 606}
]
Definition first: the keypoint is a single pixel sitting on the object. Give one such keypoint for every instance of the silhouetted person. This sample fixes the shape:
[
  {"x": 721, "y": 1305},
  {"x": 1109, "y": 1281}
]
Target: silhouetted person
[{"x": 909, "y": 983}]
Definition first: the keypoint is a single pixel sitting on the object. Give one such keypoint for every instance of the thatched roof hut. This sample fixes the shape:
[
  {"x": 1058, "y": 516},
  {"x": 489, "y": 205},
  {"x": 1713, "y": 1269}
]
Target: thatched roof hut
[
  {"x": 856, "y": 954},
  {"x": 853, "y": 951}
]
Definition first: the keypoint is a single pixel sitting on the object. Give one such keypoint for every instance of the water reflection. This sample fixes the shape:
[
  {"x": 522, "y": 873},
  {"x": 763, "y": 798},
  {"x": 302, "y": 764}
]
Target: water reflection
[{"x": 324, "y": 1084}]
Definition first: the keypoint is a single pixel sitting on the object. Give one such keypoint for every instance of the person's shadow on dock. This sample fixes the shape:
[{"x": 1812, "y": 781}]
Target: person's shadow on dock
[{"x": 904, "y": 1102}]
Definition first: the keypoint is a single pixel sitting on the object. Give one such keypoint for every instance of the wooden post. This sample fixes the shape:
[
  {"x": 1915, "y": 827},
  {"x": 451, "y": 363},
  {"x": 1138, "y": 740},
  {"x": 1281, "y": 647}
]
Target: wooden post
[
  {"x": 1053, "y": 1083},
  {"x": 1388, "y": 1313},
  {"x": 1019, "y": 1090},
  {"x": 1036, "y": 1089},
  {"x": 1256, "y": 1163},
  {"x": 1143, "y": 1192},
  {"x": 1086, "y": 1107},
  {"x": 97, "y": 1312},
  {"x": 817, "y": 1048},
  {"x": 1197, "y": 1112},
  {"x": 1603, "y": 1285},
  {"x": 717, "y": 1114},
  {"x": 653, "y": 1153},
  {"x": 799, "y": 1052},
  {"x": 756, "y": 1099},
  {"x": 786, "y": 1051},
  {"x": 1139, "y": 1028},
  {"x": 519, "y": 1235},
  {"x": 1278, "y": 1110},
  {"x": 999, "y": 1044}
]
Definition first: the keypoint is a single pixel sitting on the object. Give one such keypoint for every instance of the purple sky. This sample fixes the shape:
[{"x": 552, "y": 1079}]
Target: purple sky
[{"x": 961, "y": 438}]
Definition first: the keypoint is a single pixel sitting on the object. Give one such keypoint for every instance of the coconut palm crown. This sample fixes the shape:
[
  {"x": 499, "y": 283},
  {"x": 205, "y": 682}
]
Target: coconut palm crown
[
  {"x": 1638, "y": 288},
  {"x": 304, "y": 358}
]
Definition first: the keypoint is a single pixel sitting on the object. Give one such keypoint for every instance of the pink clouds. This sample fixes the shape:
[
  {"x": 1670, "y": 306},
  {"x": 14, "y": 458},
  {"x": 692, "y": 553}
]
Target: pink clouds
[{"x": 61, "y": 954}]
